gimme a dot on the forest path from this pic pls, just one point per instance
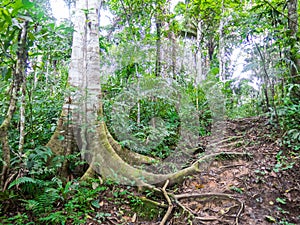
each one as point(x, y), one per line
point(260, 193)
point(269, 196)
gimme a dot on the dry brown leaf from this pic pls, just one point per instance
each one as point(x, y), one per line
point(133, 219)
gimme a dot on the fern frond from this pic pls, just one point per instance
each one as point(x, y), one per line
point(31, 204)
point(26, 180)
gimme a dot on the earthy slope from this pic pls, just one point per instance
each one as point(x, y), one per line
point(255, 190)
point(268, 196)
point(259, 194)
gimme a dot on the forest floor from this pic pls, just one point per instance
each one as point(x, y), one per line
point(264, 189)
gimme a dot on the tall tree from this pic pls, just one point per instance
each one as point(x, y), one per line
point(84, 106)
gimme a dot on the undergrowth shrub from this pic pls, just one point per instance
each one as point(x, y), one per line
point(289, 113)
point(154, 122)
point(58, 203)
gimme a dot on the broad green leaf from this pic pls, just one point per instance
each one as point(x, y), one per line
point(27, 4)
point(6, 16)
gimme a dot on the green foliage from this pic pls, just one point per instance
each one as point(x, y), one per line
point(289, 121)
point(40, 165)
point(19, 219)
point(284, 222)
point(153, 122)
point(56, 203)
point(131, 45)
point(144, 209)
point(48, 47)
point(101, 217)
point(199, 98)
point(281, 201)
point(240, 99)
point(154, 111)
point(28, 181)
point(237, 189)
point(289, 113)
point(282, 162)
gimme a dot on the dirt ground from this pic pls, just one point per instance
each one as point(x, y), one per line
point(241, 191)
point(231, 191)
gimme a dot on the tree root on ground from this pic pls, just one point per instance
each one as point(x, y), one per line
point(127, 155)
point(109, 164)
point(229, 139)
point(170, 204)
point(214, 195)
point(173, 201)
point(108, 160)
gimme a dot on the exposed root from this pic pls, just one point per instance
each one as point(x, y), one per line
point(232, 144)
point(128, 156)
point(230, 166)
point(186, 209)
point(170, 208)
point(155, 203)
point(190, 212)
point(214, 195)
point(226, 140)
point(111, 161)
point(108, 163)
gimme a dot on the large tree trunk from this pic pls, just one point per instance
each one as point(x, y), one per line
point(82, 104)
point(82, 115)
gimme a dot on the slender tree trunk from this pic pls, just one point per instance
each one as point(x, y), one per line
point(18, 79)
point(268, 84)
point(158, 48)
point(199, 65)
point(198, 60)
point(173, 54)
point(22, 116)
point(293, 27)
point(221, 45)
